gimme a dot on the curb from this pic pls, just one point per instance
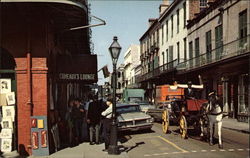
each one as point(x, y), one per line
point(238, 130)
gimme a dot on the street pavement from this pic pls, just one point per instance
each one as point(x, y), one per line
point(156, 144)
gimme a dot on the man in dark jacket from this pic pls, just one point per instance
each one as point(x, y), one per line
point(94, 118)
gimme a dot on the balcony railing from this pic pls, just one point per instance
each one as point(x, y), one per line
point(157, 71)
point(231, 49)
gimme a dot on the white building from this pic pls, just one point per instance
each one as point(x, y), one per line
point(131, 60)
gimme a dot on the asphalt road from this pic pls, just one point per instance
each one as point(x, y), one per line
point(156, 144)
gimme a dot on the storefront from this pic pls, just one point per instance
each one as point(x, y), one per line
point(42, 84)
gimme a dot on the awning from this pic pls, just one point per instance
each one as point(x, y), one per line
point(69, 2)
point(82, 68)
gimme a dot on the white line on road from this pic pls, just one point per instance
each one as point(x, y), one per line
point(212, 150)
point(230, 149)
point(248, 149)
point(222, 150)
point(203, 150)
point(156, 154)
point(194, 151)
point(240, 149)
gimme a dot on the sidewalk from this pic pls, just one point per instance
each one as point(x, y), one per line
point(233, 124)
point(83, 150)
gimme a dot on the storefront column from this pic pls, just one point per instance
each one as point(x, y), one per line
point(225, 94)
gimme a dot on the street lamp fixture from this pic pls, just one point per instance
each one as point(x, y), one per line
point(114, 50)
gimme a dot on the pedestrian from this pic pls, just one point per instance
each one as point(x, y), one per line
point(77, 117)
point(93, 119)
point(107, 123)
point(69, 121)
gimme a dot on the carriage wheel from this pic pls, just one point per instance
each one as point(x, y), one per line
point(165, 121)
point(183, 126)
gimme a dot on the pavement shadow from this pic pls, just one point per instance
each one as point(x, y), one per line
point(126, 135)
point(127, 149)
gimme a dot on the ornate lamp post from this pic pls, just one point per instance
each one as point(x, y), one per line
point(114, 50)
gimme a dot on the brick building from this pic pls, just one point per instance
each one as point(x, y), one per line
point(48, 62)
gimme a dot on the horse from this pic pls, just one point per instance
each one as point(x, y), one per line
point(214, 113)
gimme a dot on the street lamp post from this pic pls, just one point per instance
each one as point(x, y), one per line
point(114, 50)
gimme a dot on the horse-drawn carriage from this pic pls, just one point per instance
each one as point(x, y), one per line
point(181, 109)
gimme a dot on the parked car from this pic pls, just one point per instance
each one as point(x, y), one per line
point(146, 106)
point(131, 118)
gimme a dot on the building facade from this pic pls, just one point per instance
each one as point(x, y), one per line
point(219, 40)
point(131, 60)
point(207, 38)
point(164, 44)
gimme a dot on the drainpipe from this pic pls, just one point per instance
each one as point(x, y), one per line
point(29, 82)
point(29, 75)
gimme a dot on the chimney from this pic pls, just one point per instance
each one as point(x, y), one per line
point(163, 6)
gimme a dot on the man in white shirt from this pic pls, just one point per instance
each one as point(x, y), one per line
point(107, 123)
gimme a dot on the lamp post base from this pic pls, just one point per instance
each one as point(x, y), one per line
point(113, 147)
point(113, 150)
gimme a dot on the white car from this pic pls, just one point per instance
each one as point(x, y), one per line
point(130, 117)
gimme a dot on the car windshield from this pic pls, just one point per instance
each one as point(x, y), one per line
point(128, 109)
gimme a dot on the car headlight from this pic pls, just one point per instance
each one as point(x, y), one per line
point(150, 120)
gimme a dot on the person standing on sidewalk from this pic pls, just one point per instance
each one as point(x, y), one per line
point(93, 119)
point(77, 116)
point(69, 121)
point(107, 123)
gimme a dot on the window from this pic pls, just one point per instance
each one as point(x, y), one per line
point(185, 48)
point(167, 30)
point(163, 58)
point(184, 14)
point(191, 53)
point(203, 3)
point(243, 27)
point(219, 41)
point(178, 52)
point(162, 34)
point(178, 22)
point(171, 56)
point(172, 25)
point(167, 56)
point(208, 46)
point(197, 51)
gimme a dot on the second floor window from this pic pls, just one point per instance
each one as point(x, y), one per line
point(185, 48)
point(162, 34)
point(178, 52)
point(167, 30)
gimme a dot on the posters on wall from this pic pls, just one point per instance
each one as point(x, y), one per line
point(8, 112)
point(7, 104)
point(6, 145)
point(10, 98)
point(5, 86)
point(6, 133)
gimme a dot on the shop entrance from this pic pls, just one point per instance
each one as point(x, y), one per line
point(8, 102)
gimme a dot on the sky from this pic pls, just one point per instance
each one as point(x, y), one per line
point(126, 19)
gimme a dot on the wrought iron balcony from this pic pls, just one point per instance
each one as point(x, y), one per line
point(158, 71)
point(229, 50)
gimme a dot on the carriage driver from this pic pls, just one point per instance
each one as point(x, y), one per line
point(189, 88)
